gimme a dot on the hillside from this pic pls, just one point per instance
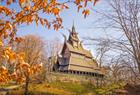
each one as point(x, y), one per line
point(69, 84)
point(60, 84)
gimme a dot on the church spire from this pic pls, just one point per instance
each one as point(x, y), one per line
point(73, 38)
point(73, 28)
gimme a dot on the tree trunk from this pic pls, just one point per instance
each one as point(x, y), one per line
point(138, 62)
point(26, 86)
point(139, 65)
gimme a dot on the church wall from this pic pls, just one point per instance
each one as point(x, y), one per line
point(65, 57)
point(63, 68)
point(66, 53)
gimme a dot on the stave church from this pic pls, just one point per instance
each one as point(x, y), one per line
point(75, 59)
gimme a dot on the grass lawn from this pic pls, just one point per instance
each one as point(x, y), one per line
point(57, 88)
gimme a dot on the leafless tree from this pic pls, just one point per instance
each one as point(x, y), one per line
point(125, 15)
point(53, 48)
point(102, 48)
point(122, 69)
point(122, 17)
point(33, 47)
point(121, 64)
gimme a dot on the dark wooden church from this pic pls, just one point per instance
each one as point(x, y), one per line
point(75, 59)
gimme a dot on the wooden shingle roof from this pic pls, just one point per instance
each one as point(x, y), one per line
point(79, 50)
point(81, 64)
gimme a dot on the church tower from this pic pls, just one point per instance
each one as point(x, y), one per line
point(75, 59)
point(73, 38)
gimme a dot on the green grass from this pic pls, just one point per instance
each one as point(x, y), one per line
point(76, 88)
point(57, 88)
point(108, 88)
point(61, 84)
point(65, 84)
point(67, 88)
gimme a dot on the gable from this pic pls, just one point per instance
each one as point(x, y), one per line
point(65, 51)
point(79, 50)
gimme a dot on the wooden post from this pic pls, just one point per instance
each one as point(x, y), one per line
point(97, 82)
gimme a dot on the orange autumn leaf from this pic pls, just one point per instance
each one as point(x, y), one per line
point(77, 2)
point(56, 26)
point(13, 75)
point(53, 2)
point(9, 26)
point(55, 11)
point(18, 39)
point(36, 21)
point(28, 4)
point(12, 57)
point(85, 12)
point(1, 43)
point(9, 2)
point(21, 2)
point(79, 7)
point(3, 68)
point(25, 65)
point(49, 9)
point(59, 20)
point(85, 4)
point(95, 1)
point(41, 21)
point(34, 8)
point(5, 34)
point(5, 10)
point(21, 55)
point(64, 6)
point(46, 22)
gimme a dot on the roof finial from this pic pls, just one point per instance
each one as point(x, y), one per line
point(73, 27)
point(73, 23)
